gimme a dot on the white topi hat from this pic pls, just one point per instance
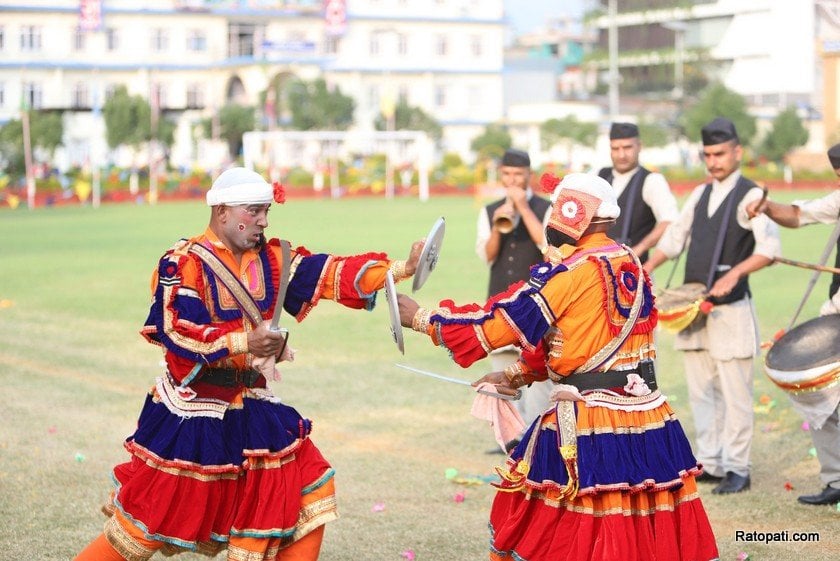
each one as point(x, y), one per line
point(240, 186)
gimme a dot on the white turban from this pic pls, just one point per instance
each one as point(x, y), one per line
point(240, 186)
point(591, 185)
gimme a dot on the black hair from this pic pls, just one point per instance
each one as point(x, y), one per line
point(558, 238)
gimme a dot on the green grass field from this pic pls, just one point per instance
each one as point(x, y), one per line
point(74, 292)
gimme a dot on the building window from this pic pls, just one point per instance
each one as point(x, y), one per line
point(78, 39)
point(2, 94)
point(160, 40)
point(2, 38)
point(110, 90)
point(80, 96)
point(374, 46)
point(441, 45)
point(331, 45)
point(476, 47)
point(476, 96)
point(33, 95)
point(402, 44)
point(112, 39)
point(440, 96)
point(158, 100)
point(402, 94)
point(196, 40)
point(30, 38)
point(195, 96)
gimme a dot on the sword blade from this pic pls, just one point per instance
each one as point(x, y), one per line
point(433, 375)
point(459, 382)
point(286, 260)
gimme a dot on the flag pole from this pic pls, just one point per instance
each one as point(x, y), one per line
point(27, 156)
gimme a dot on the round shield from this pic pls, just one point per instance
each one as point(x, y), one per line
point(394, 311)
point(429, 256)
point(807, 357)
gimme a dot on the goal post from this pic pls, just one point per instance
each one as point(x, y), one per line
point(310, 150)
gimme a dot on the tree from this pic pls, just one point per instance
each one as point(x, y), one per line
point(315, 107)
point(491, 143)
point(46, 130)
point(653, 134)
point(407, 117)
point(719, 101)
point(787, 133)
point(128, 119)
point(569, 129)
point(234, 121)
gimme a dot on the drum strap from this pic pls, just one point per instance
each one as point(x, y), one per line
point(832, 240)
point(724, 226)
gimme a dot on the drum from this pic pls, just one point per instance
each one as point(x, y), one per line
point(806, 358)
point(679, 307)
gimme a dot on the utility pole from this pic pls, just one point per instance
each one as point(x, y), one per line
point(613, 51)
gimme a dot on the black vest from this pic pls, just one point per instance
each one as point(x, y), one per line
point(636, 216)
point(738, 243)
point(517, 251)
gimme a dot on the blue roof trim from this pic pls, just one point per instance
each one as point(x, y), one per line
point(419, 70)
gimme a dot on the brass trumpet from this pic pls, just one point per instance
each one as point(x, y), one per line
point(506, 222)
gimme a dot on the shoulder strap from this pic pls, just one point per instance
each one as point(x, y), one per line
point(226, 277)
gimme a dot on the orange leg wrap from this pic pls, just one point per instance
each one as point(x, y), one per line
point(305, 549)
point(99, 550)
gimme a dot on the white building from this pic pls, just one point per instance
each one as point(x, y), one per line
point(192, 57)
point(762, 49)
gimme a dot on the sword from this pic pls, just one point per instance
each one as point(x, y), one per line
point(286, 260)
point(460, 382)
point(285, 252)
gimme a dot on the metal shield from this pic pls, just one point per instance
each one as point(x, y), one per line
point(429, 256)
point(394, 311)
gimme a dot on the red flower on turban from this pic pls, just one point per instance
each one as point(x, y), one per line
point(548, 182)
point(279, 193)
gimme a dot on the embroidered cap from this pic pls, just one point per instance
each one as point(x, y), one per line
point(240, 186)
point(834, 156)
point(623, 130)
point(578, 199)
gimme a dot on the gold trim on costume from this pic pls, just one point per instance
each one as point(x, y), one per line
point(397, 269)
point(123, 543)
point(420, 321)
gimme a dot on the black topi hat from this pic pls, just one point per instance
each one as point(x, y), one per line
point(834, 156)
point(623, 130)
point(719, 131)
point(516, 158)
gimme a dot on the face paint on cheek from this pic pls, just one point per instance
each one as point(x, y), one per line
point(241, 227)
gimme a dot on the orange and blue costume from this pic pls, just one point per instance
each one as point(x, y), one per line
point(228, 466)
point(608, 473)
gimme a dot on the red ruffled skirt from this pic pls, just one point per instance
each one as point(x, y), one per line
point(631, 495)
